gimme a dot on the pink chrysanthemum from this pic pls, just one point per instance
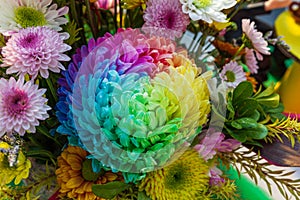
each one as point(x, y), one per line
point(21, 106)
point(35, 50)
point(233, 74)
point(255, 39)
point(165, 18)
point(18, 14)
point(251, 61)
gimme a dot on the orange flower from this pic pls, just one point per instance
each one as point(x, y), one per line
point(75, 175)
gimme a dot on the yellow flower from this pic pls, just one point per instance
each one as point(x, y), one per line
point(184, 179)
point(131, 4)
point(195, 90)
point(75, 175)
point(15, 173)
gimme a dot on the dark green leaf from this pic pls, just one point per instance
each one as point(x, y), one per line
point(247, 122)
point(109, 190)
point(243, 91)
point(143, 196)
point(246, 107)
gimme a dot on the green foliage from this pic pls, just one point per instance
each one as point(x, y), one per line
point(246, 111)
point(73, 32)
point(289, 128)
point(245, 161)
point(109, 190)
point(2, 41)
point(225, 191)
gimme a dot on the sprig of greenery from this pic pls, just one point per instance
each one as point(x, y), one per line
point(73, 31)
point(244, 160)
point(225, 191)
point(289, 128)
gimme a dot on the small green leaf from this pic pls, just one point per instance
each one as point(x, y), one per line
point(236, 125)
point(143, 196)
point(267, 92)
point(109, 190)
point(243, 91)
point(272, 100)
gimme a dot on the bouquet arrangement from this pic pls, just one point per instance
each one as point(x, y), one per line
point(134, 99)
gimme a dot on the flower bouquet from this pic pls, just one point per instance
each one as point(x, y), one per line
point(136, 99)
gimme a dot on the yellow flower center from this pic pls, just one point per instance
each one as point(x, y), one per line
point(201, 3)
point(28, 17)
point(230, 76)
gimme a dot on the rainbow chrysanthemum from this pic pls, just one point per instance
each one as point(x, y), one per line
point(134, 101)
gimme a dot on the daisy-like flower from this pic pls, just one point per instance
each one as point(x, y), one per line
point(35, 50)
point(233, 74)
point(207, 10)
point(183, 179)
point(17, 14)
point(251, 61)
point(165, 18)
point(254, 39)
point(21, 106)
point(75, 175)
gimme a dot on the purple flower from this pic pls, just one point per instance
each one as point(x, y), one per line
point(35, 50)
point(21, 106)
point(165, 18)
point(256, 39)
point(251, 61)
point(233, 74)
point(215, 177)
point(207, 146)
point(213, 142)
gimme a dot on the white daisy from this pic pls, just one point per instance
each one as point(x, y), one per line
point(17, 14)
point(207, 10)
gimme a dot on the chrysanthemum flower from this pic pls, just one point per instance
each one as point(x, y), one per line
point(251, 61)
point(75, 175)
point(17, 14)
point(21, 106)
point(35, 50)
point(207, 10)
point(233, 74)
point(165, 18)
point(254, 39)
point(13, 173)
point(184, 179)
point(139, 112)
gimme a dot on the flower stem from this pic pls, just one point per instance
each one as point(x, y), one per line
point(239, 51)
point(91, 18)
point(52, 89)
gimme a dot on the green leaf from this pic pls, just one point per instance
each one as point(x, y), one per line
point(257, 133)
point(246, 122)
point(143, 196)
point(246, 107)
point(2, 41)
point(243, 91)
point(272, 100)
point(267, 92)
point(109, 190)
